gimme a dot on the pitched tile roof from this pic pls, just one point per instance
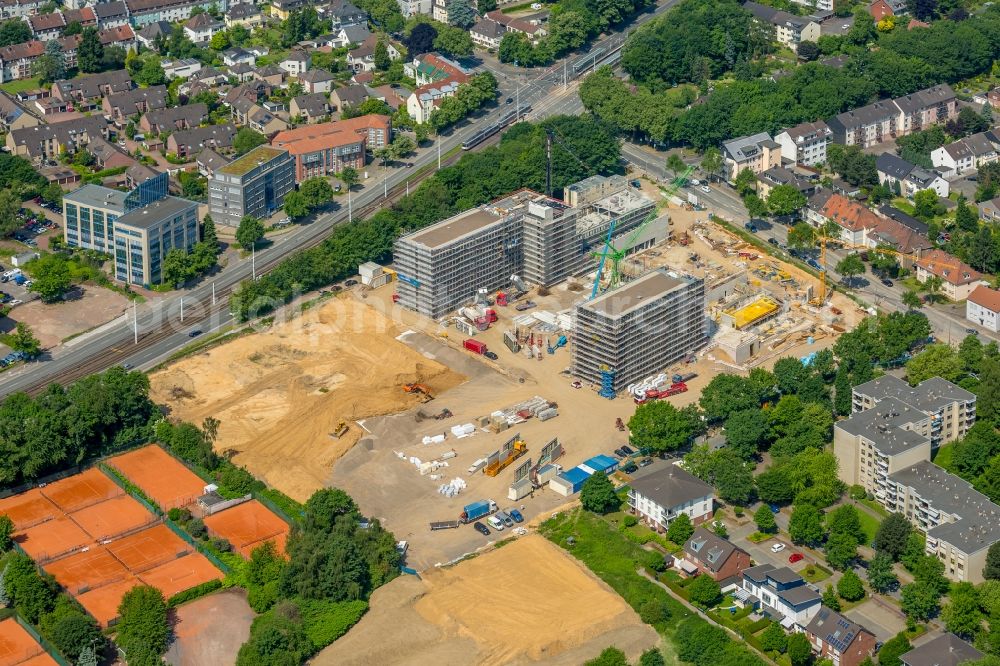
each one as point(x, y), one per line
point(948, 268)
point(849, 214)
point(986, 297)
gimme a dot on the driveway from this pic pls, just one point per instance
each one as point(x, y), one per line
point(879, 617)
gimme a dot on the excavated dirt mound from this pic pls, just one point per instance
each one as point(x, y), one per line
point(280, 393)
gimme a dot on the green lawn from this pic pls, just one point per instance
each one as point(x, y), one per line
point(874, 506)
point(814, 573)
point(944, 456)
point(14, 87)
point(869, 524)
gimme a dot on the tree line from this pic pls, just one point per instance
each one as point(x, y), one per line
point(586, 146)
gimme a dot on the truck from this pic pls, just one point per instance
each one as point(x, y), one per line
point(682, 379)
point(477, 510)
point(527, 305)
point(19, 279)
point(475, 346)
point(656, 394)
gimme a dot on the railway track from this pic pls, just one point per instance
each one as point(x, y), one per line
point(118, 352)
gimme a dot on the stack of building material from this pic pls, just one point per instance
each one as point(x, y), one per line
point(453, 487)
point(465, 430)
point(433, 439)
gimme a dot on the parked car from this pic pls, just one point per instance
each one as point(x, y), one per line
point(795, 557)
point(628, 450)
point(645, 461)
point(516, 515)
point(706, 189)
point(887, 282)
point(971, 331)
point(777, 548)
point(620, 453)
point(350, 283)
point(630, 467)
point(491, 355)
point(482, 529)
point(772, 241)
point(195, 333)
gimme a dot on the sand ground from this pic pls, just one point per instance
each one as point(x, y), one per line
point(281, 392)
point(210, 630)
point(53, 323)
point(526, 603)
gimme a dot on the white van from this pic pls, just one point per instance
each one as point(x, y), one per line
point(495, 523)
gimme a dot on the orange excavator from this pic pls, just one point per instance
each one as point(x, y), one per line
point(419, 389)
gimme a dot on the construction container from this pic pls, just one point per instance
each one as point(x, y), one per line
point(520, 489)
point(569, 482)
point(510, 341)
point(547, 414)
point(599, 464)
point(475, 346)
point(477, 466)
point(373, 275)
point(546, 473)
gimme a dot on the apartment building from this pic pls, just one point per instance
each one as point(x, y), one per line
point(805, 144)
point(958, 279)
point(892, 118)
point(525, 233)
point(636, 330)
point(657, 498)
point(951, 408)
point(983, 308)
point(757, 153)
point(840, 639)
point(965, 155)
point(780, 592)
point(120, 107)
point(789, 30)
point(49, 141)
point(142, 12)
point(144, 236)
point(326, 148)
point(254, 184)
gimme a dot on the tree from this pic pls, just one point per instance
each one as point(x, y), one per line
point(704, 591)
point(659, 426)
point(764, 518)
point(90, 52)
point(912, 300)
point(23, 340)
point(676, 164)
point(747, 431)
point(250, 231)
point(893, 649)
point(50, 277)
point(992, 569)
point(176, 268)
point(799, 650)
point(963, 615)
point(421, 39)
point(841, 550)
point(845, 520)
point(317, 191)
point(727, 394)
point(785, 200)
point(652, 656)
point(849, 586)
point(919, 600)
point(654, 611)
point(455, 41)
point(680, 529)
point(711, 162)
point(925, 204)
point(850, 266)
point(143, 627)
point(403, 146)
point(296, 205)
point(881, 576)
point(349, 177)
point(71, 630)
point(14, 31)
point(806, 525)
point(939, 360)
point(745, 182)
point(756, 207)
point(87, 657)
point(276, 638)
point(50, 66)
point(610, 656)
point(807, 51)
point(830, 598)
point(598, 495)
point(6, 530)
point(380, 56)
point(461, 13)
point(220, 41)
point(801, 236)
point(773, 639)
point(892, 535)
point(247, 139)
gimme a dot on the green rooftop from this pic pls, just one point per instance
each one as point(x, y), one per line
point(246, 163)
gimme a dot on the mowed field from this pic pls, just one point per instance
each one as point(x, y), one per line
point(525, 603)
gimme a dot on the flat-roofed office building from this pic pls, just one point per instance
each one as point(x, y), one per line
point(145, 235)
point(254, 184)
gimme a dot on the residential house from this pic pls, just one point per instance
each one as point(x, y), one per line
point(201, 28)
point(866, 126)
point(362, 58)
point(805, 143)
point(282, 9)
point(892, 170)
point(432, 68)
point(958, 279)
point(789, 30)
point(151, 32)
point(296, 62)
point(992, 98)
point(989, 211)
point(925, 108)
point(237, 55)
point(311, 107)
point(768, 180)
point(413, 7)
point(112, 14)
point(173, 118)
point(854, 219)
point(185, 143)
point(944, 650)
point(757, 153)
point(327, 148)
point(707, 553)
point(908, 221)
point(983, 307)
point(839, 639)
point(182, 68)
point(242, 72)
point(137, 174)
point(965, 155)
point(60, 175)
point(925, 179)
point(889, 233)
point(880, 10)
point(422, 101)
point(48, 142)
point(14, 116)
point(350, 96)
point(349, 35)
point(389, 95)
point(10, 9)
point(107, 155)
point(487, 33)
point(17, 60)
point(120, 107)
point(142, 12)
point(88, 92)
point(248, 113)
point(781, 592)
point(533, 28)
point(122, 36)
point(272, 75)
point(245, 14)
point(657, 498)
point(908, 179)
point(206, 78)
point(342, 14)
point(813, 212)
point(209, 162)
point(317, 81)
point(47, 26)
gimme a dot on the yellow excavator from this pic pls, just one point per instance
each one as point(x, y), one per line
point(341, 430)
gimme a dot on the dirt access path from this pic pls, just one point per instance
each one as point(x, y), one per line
point(281, 392)
point(525, 603)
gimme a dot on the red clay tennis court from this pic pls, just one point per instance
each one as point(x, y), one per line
point(247, 526)
point(19, 648)
point(103, 602)
point(113, 517)
point(81, 572)
point(165, 480)
point(29, 508)
point(149, 548)
point(52, 538)
point(181, 574)
point(82, 490)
